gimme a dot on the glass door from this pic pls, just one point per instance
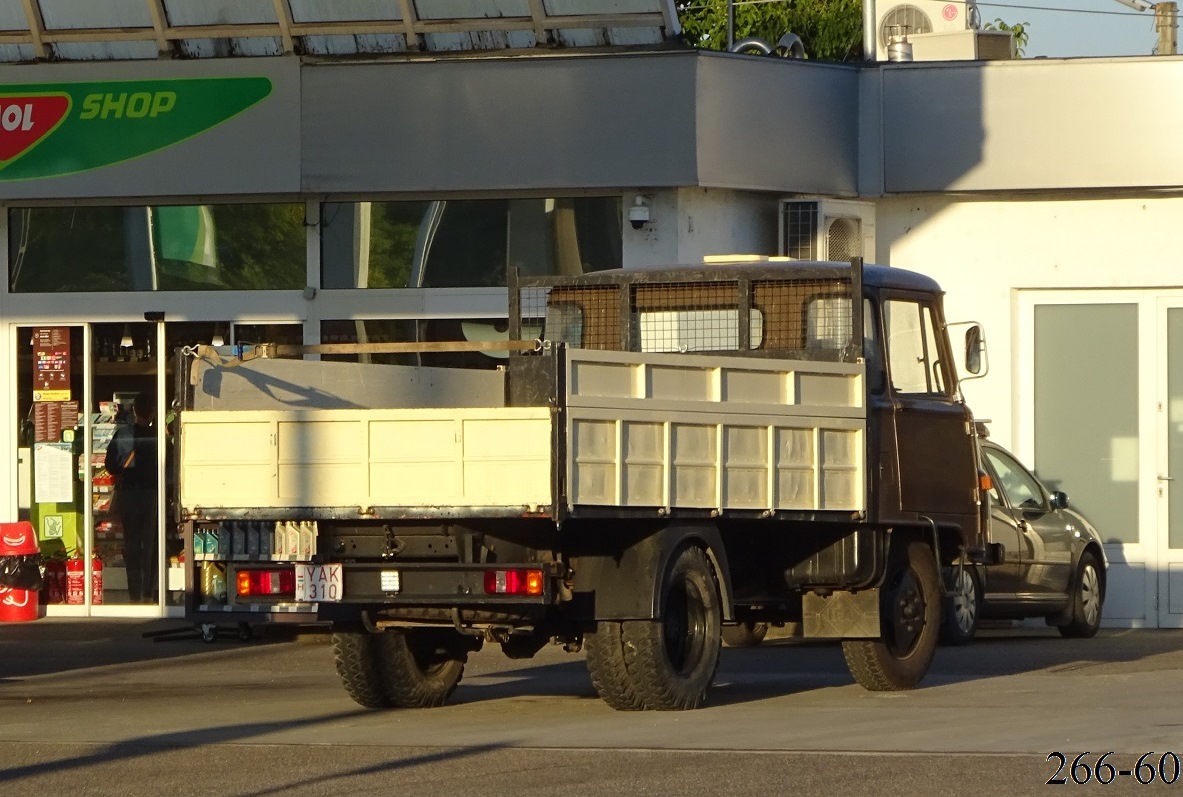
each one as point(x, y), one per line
point(1089, 432)
point(1169, 474)
point(49, 456)
point(124, 467)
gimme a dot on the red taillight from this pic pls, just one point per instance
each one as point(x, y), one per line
point(266, 582)
point(513, 582)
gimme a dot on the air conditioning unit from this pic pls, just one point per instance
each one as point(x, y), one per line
point(827, 229)
point(912, 17)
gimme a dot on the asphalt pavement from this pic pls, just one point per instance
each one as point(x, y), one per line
point(98, 707)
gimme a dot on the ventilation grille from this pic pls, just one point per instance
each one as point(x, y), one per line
point(801, 230)
point(844, 239)
point(903, 20)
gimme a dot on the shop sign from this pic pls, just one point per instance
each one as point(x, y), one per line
point(51, 364)
point(54, 129)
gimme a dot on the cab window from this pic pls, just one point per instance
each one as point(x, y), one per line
point(913, 354)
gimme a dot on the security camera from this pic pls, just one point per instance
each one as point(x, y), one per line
point(638, 214)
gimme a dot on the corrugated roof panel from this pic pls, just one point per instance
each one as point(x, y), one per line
point(356, 44)
point(470, 10)
point(12, 15)
point(138, 29)
point(218, 12)
point(187, 13)
point(360, 43)
point(16, 53)
point(63, 15)
point(229, 48)
point(103, 51)
point(70, 14)
point(344, 10)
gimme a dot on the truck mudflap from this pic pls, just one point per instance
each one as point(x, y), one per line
point(841, 614)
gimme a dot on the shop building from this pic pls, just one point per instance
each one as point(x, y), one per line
point(368, 191)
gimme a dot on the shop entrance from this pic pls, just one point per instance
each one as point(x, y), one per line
point(94, 447)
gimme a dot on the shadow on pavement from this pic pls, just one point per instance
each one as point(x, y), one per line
point(54, 645)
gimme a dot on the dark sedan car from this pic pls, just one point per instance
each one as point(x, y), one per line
point(1053, 562)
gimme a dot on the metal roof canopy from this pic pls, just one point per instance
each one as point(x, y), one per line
point(68, 30)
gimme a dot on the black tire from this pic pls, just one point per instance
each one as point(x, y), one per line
point(744, 635)
point(605, 664)
point(671, 661)
point(910, 613)
point(357, 666)
point(1087, 599)
point(959, 614)
point(419, 668)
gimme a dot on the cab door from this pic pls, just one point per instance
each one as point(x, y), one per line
point(936, 459)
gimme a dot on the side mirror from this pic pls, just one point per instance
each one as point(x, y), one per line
point(1059, 500)
point(975, 347)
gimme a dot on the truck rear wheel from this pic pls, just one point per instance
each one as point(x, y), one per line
point(419, 668)
point(605, 664)
point(910, 618)
point(671, 661)
point(354, 656)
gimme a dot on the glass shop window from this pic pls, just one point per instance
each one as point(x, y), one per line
point(466, 243)
point(157, 248)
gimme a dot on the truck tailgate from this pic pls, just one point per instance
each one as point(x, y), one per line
point(436, 457)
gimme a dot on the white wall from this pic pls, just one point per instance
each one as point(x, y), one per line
point(984, 251)
point(690, 223)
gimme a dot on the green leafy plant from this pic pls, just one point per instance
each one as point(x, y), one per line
point(1018, 30)
point(831, 30)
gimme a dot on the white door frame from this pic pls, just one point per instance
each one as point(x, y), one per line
point(1147, 553)
point(1170, 561)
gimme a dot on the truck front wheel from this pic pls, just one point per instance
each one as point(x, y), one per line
point(672, 660)
point(910, 617)
point(419, 668)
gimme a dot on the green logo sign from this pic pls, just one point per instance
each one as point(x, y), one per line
point(51, 129)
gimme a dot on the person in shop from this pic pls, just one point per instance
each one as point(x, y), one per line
point(132, 460)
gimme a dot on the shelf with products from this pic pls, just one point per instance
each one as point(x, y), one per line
point(108, 533)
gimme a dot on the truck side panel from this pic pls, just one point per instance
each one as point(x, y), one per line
point(722, 433)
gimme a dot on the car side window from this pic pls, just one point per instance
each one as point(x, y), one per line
point(1020, 487)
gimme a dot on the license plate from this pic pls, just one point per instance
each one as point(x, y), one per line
point(319, 583)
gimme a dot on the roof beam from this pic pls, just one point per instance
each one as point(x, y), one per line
point(283, 15)
point(36, 29)
point(159, 25)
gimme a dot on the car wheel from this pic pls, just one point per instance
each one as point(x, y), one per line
point(959, 622)
point(744, 635)
point(1086, 600)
